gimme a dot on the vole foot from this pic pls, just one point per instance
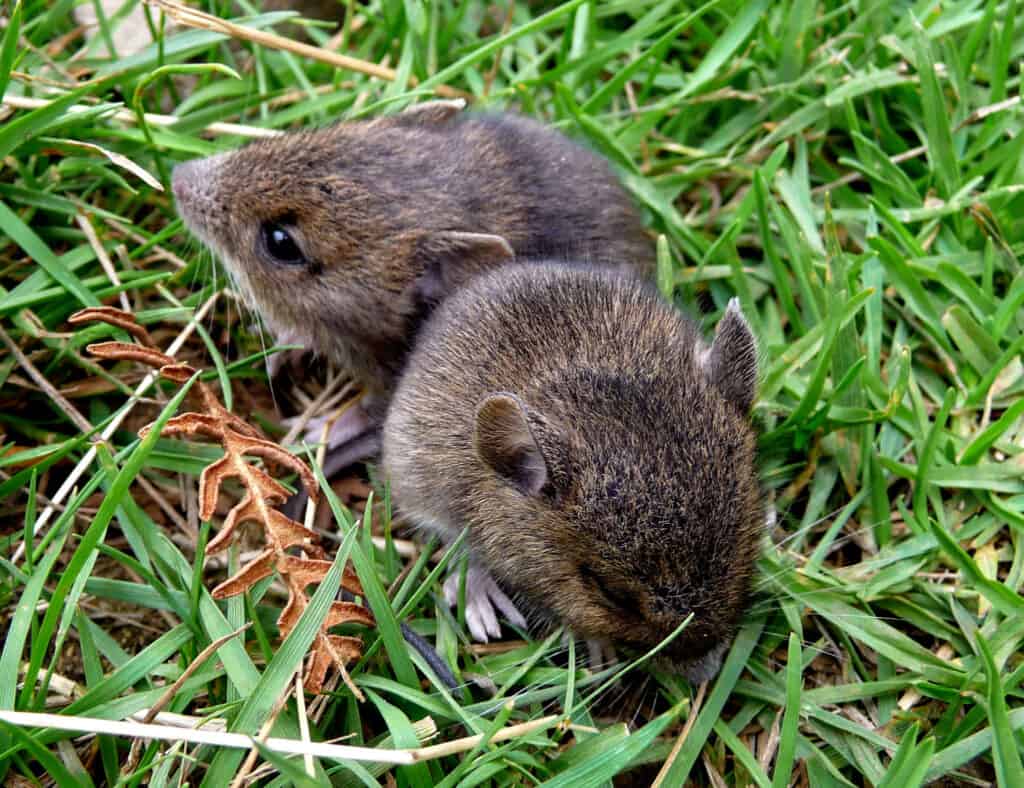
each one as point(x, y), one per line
point(601, 654)
point(482, 597)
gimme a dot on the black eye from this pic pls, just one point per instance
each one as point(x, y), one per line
point(617, 597)
point(280, 245)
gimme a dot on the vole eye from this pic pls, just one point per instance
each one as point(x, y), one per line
point(619, 598)
point(615, 596)
point(280, 245)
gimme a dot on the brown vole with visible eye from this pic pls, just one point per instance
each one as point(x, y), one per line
point(344, 238)
point(600, 453)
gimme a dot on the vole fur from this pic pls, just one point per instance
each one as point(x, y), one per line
point(600, 453)
point(387, 216)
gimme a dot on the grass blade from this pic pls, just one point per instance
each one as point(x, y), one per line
point(791, 718)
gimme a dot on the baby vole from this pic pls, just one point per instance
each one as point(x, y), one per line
point(600, 453)
point(344, 238)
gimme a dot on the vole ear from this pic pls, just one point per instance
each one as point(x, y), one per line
point(450, 258)
point(505, 440)
point(731, 363)
point(429, 112)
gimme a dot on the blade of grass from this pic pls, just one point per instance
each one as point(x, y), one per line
point(939, 135)
point(791, 717)
point(1005, 747)
point(9, 46)
point(742, 647)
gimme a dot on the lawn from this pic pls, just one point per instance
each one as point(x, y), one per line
point(851, 171)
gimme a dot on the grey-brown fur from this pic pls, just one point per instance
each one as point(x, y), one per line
point(599, 451)
point(391, 214)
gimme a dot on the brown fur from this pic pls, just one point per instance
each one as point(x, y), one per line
point(599, 452)
point(391, 214)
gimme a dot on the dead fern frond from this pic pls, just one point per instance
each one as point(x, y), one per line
point(126, 351)
point(240, 440)
point(115, 317)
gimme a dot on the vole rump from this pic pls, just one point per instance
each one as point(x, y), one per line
point(344, 238)
point(600, 453)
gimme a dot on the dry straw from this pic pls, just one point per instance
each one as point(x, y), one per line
point(190, 17)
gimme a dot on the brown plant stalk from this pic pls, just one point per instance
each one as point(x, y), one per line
point(263, 493)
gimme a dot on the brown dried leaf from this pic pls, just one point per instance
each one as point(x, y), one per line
point(316, 670)
point(315, 551)
point(268, 450)
point(218, 411)
point(262, 492)
point(292, 610)
point(340, 612)
point(348, 613)
point(244, 511)
point(247, 576)
point(303, 572)
point(126, 351)
point(350, 582)
point(177, 373)
point(282, 531)
point(115, 317)
point(190, 424)
point(338, 649)
point(346, 647)
point(308, 571)
point(259, 483)
point(209, 489)
point(285, 532)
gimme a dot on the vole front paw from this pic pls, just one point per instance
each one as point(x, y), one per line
point(601, 654)
point(482, 597)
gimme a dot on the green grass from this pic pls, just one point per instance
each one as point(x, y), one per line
point(852, 171)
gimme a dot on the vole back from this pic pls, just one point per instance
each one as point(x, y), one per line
point(599, 452)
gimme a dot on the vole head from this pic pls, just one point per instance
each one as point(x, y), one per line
point(639, 514)
point(334, 232)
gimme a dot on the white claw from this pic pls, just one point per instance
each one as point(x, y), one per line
point(481, 620)
point(482, 597)
point(507, 607)
point(451, 589)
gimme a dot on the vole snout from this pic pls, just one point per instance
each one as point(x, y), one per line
point(204, 210)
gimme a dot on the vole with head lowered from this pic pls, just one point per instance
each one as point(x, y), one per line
point(599, 452)
point(344, 238)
